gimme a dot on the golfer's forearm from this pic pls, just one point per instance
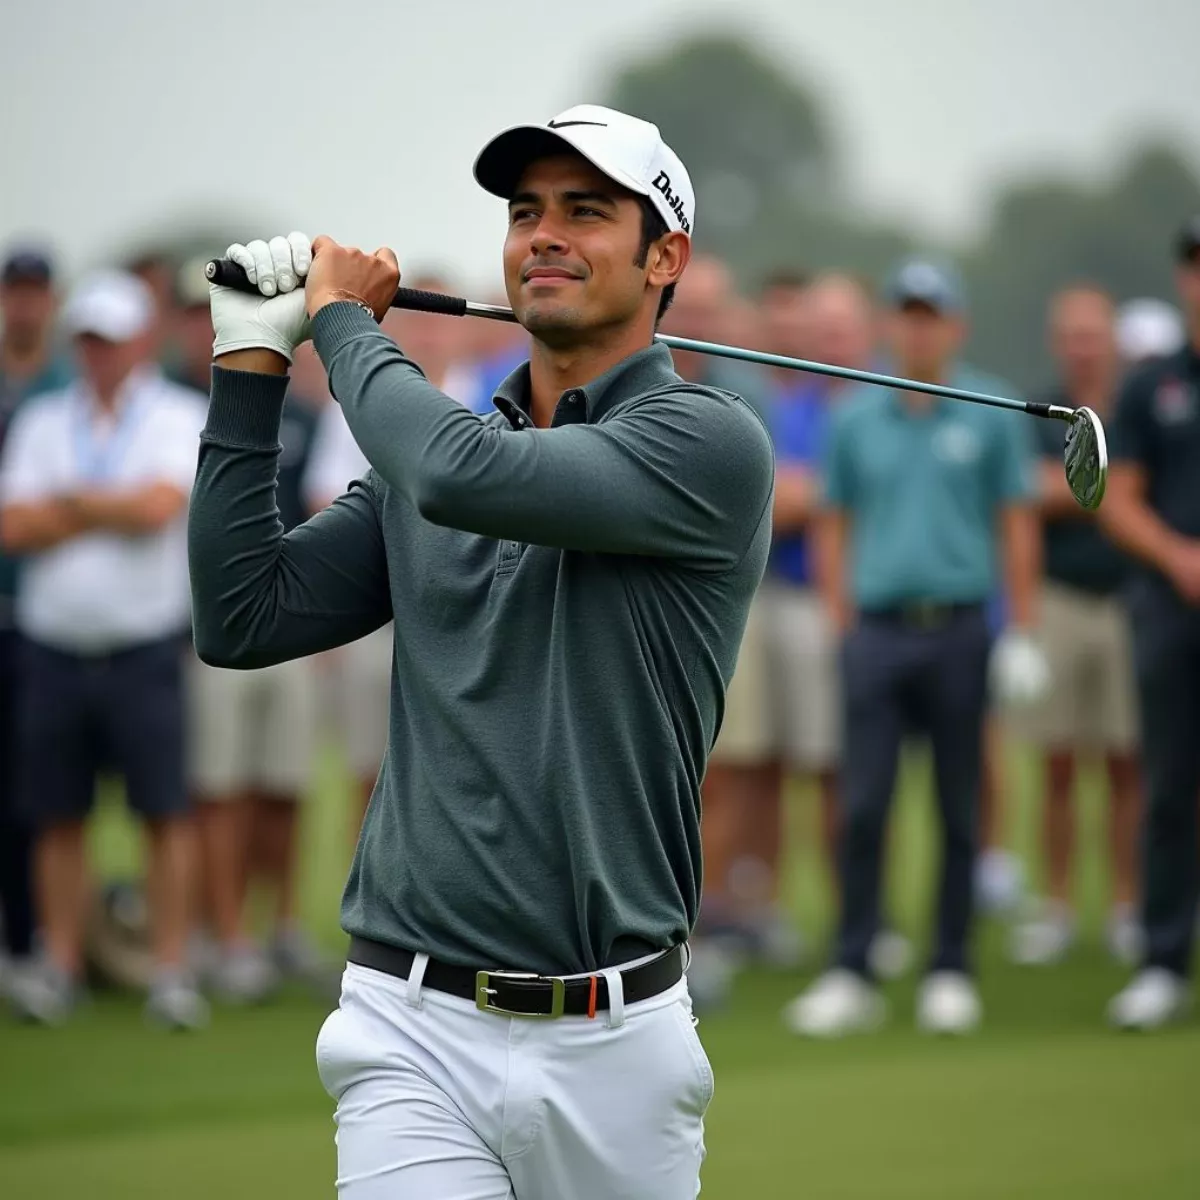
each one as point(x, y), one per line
point(258, 596)
point(1021, 542)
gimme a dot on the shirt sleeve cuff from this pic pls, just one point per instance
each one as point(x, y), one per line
point(339, 323)
point(245, 409)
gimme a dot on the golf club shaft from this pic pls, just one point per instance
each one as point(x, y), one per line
point(230, 274)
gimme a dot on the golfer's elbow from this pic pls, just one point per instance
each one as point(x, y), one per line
point(441, 496)
point(216, 646)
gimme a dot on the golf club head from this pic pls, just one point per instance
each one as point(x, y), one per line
point(1086, 458)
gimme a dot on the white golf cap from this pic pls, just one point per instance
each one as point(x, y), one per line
point(113, 305)
point(628, 150)
point(1149, 328)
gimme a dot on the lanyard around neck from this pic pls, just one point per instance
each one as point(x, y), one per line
point(98, 455)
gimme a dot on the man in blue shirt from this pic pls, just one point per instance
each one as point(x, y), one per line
point(925, 498)
point(28, 367)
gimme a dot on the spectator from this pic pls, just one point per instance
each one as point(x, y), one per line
point(496, 350)
point(1090, 707)
point(93, 492)
point(805, 706)
point(442, 344)
point(742, 826)
point(250, 739)
point(785, 320)
point(1149, 328)
point(1153, 510)
point(28, 366)
point(917, 490)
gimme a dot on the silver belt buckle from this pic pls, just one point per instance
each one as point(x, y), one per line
point(484, 993)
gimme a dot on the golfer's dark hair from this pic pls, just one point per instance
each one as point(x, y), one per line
point(653, 227)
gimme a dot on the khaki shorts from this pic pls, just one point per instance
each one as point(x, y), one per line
point(1092, 699)
point(784, 701)
point(361, 694)
point(251, 729)
point(745, 738)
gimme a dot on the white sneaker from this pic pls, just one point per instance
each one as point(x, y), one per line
point(1155, 997)
point(999, 881)
point(839, 1003)
point(41, 993)
point(948, 1003)
point(174, 1003)
point(1045, 939)
point(1126, 942)
point(890, 955)
point(244, 976)
point(778, 944)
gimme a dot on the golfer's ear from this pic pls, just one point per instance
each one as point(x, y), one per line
point(668, 258)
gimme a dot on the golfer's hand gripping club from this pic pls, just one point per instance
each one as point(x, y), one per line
point(226, 273)
point(267, 312)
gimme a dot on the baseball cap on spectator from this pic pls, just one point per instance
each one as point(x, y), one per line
point(628, 150)
point(113, 305)
point(1187, 244)
point(27, 264)
point(1148, 328)
point(922, 281)
point(191, 284)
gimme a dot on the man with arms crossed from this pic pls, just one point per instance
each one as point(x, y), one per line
point(570, 577)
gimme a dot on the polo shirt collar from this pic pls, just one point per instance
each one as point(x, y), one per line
point(643, 371)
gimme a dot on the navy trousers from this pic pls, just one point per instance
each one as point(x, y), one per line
point(905, 676)
point(1166, 635)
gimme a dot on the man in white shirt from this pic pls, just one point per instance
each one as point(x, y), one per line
point(94, 487)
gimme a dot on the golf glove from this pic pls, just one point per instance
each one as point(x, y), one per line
point(276, 318)
point(1018, 670)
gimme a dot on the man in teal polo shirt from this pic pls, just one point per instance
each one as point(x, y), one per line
point(928, 511)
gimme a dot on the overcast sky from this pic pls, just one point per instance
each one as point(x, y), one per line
point(361, 119)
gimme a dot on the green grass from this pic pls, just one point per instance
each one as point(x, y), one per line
point(1045, 1102)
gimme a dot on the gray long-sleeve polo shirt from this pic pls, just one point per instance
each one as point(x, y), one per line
point(568, 607)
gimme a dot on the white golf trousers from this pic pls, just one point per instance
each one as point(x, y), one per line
point(439, 1101)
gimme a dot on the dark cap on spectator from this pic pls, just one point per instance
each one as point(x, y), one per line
point(1187, 244)
point(920, 281)
point(27, 264)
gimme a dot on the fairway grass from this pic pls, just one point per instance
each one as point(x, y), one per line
point(1045, 1102)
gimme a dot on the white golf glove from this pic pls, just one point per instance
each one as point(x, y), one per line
point(1018, 670)
point(275, 319)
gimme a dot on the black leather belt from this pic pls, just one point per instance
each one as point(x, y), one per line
point(518, 994)
point(922, 614)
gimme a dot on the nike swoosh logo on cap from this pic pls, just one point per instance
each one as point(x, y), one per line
point(564, 124)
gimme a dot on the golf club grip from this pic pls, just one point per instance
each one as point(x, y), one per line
point(225, 272)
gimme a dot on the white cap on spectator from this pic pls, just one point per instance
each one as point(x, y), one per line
point(628, 150)
point(1148, 328)
point(113, 305)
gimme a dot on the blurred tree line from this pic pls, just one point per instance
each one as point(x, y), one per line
point(768, 179)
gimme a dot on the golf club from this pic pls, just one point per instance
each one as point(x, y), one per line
point(1085, 457)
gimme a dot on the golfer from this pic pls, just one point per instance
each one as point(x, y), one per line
point(569, 577)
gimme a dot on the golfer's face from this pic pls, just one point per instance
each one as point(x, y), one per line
point(573, 236)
